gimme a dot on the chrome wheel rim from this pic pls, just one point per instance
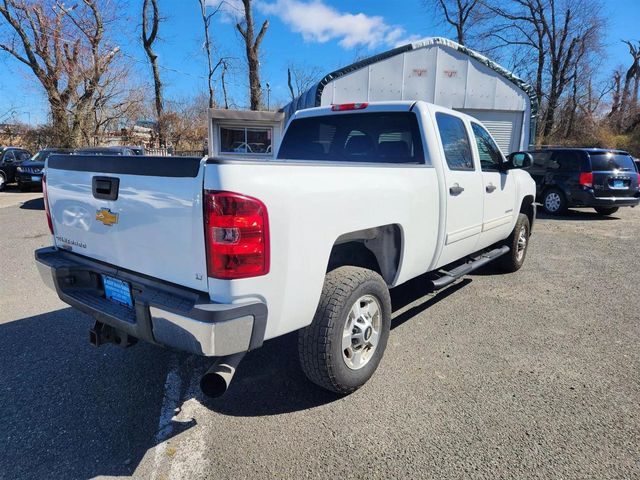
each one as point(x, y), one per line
point(521, 246)
point(552, 202)
point(361, 332)
point(1, 180)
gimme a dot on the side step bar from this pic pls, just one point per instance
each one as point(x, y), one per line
point(451, 276)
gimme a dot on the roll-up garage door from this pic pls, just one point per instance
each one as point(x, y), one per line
point(505, 127)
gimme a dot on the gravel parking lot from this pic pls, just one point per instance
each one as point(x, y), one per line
point(530, 375)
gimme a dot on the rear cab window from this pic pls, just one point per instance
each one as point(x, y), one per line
point(609, 162)
point(376, 137)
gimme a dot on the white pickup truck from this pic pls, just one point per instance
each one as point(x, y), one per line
point(214, 257)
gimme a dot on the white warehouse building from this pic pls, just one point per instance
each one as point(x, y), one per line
point(439, 71)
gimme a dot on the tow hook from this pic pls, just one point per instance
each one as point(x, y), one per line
point(102, 333)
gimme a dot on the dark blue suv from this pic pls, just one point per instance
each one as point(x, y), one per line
point(585, 177)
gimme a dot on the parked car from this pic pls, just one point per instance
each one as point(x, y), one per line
point(29, 173)
point(214, 256)
point(637, 161)
point(10, 158)
point(584, 177)
point(115, 150)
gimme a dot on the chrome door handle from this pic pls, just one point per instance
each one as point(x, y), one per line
point(456, 189)
point(490, 188)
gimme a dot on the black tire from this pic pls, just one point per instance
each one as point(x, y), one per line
point(557, 207)
point(320, 344)
point(606, 210)
point(3, 181)
point(514, 259)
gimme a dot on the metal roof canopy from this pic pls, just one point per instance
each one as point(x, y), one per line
point(436, 70)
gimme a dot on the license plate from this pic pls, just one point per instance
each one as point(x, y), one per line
point(117, 291)
point(618, 184)
point(36, 179)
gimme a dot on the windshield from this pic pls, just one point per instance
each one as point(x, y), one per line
point(41, 156)
point(608, 162)
point(384, 137)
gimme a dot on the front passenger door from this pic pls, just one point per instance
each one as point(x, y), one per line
point(499, 189)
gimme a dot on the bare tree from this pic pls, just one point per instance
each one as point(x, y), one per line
point(65, 49)
point(624, 113)
point(208, 46)
point(560, 33)
point(149, 36)
point(300, 78)
point(116, 105)
point(252, 46)
point(462, 15)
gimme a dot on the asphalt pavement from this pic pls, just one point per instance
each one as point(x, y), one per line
point(528, 375)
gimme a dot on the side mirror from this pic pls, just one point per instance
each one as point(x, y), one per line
point(519, 160)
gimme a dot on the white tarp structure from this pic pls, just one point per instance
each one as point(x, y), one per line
point(438, 71)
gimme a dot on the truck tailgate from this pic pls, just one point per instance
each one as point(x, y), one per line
point(142, 214)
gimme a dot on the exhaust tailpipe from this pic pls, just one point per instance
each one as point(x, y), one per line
point(217, 379)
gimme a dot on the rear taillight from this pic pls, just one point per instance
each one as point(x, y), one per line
point(237, 235)
point(46, 203)
point(342, 107)
point(586, 179)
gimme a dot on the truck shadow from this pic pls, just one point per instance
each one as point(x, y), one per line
point(576, 215)
point(72, 411)
point(35, 204)
point(270, 381)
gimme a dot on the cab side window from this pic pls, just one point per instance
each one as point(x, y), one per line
point(455, 141)
point(9, 157)
point(490, 156)
point(22, 155)
point(540, 160)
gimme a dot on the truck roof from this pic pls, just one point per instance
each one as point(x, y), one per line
point(390, 106)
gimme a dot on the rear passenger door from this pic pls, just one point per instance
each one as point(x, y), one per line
point(463, 222)
point(499, 189)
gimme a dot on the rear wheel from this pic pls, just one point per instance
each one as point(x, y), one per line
point(344, 344)
point(606, 210)
point(554, 202)
point(518, 242)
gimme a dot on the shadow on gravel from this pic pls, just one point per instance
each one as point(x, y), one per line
point(270, 381)
point(70, 410)
point(35, 204)
point(577, 215)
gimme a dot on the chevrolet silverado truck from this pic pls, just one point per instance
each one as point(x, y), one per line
point(215, 256)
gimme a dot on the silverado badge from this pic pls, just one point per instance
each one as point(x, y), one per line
point(107, 217)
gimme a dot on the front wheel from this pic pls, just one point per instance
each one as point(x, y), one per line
point(345, 342)
point(606, 210)
point(518, 242)
point(3, 181)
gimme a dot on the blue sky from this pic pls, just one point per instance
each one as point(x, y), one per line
point(325, 34)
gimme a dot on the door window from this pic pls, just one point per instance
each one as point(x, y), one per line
point(566, 161)
point(21, 156)
point(9, 157)
point(455, 141)
point(490, 156)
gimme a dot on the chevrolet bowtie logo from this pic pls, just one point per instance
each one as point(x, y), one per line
point(105, 216)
